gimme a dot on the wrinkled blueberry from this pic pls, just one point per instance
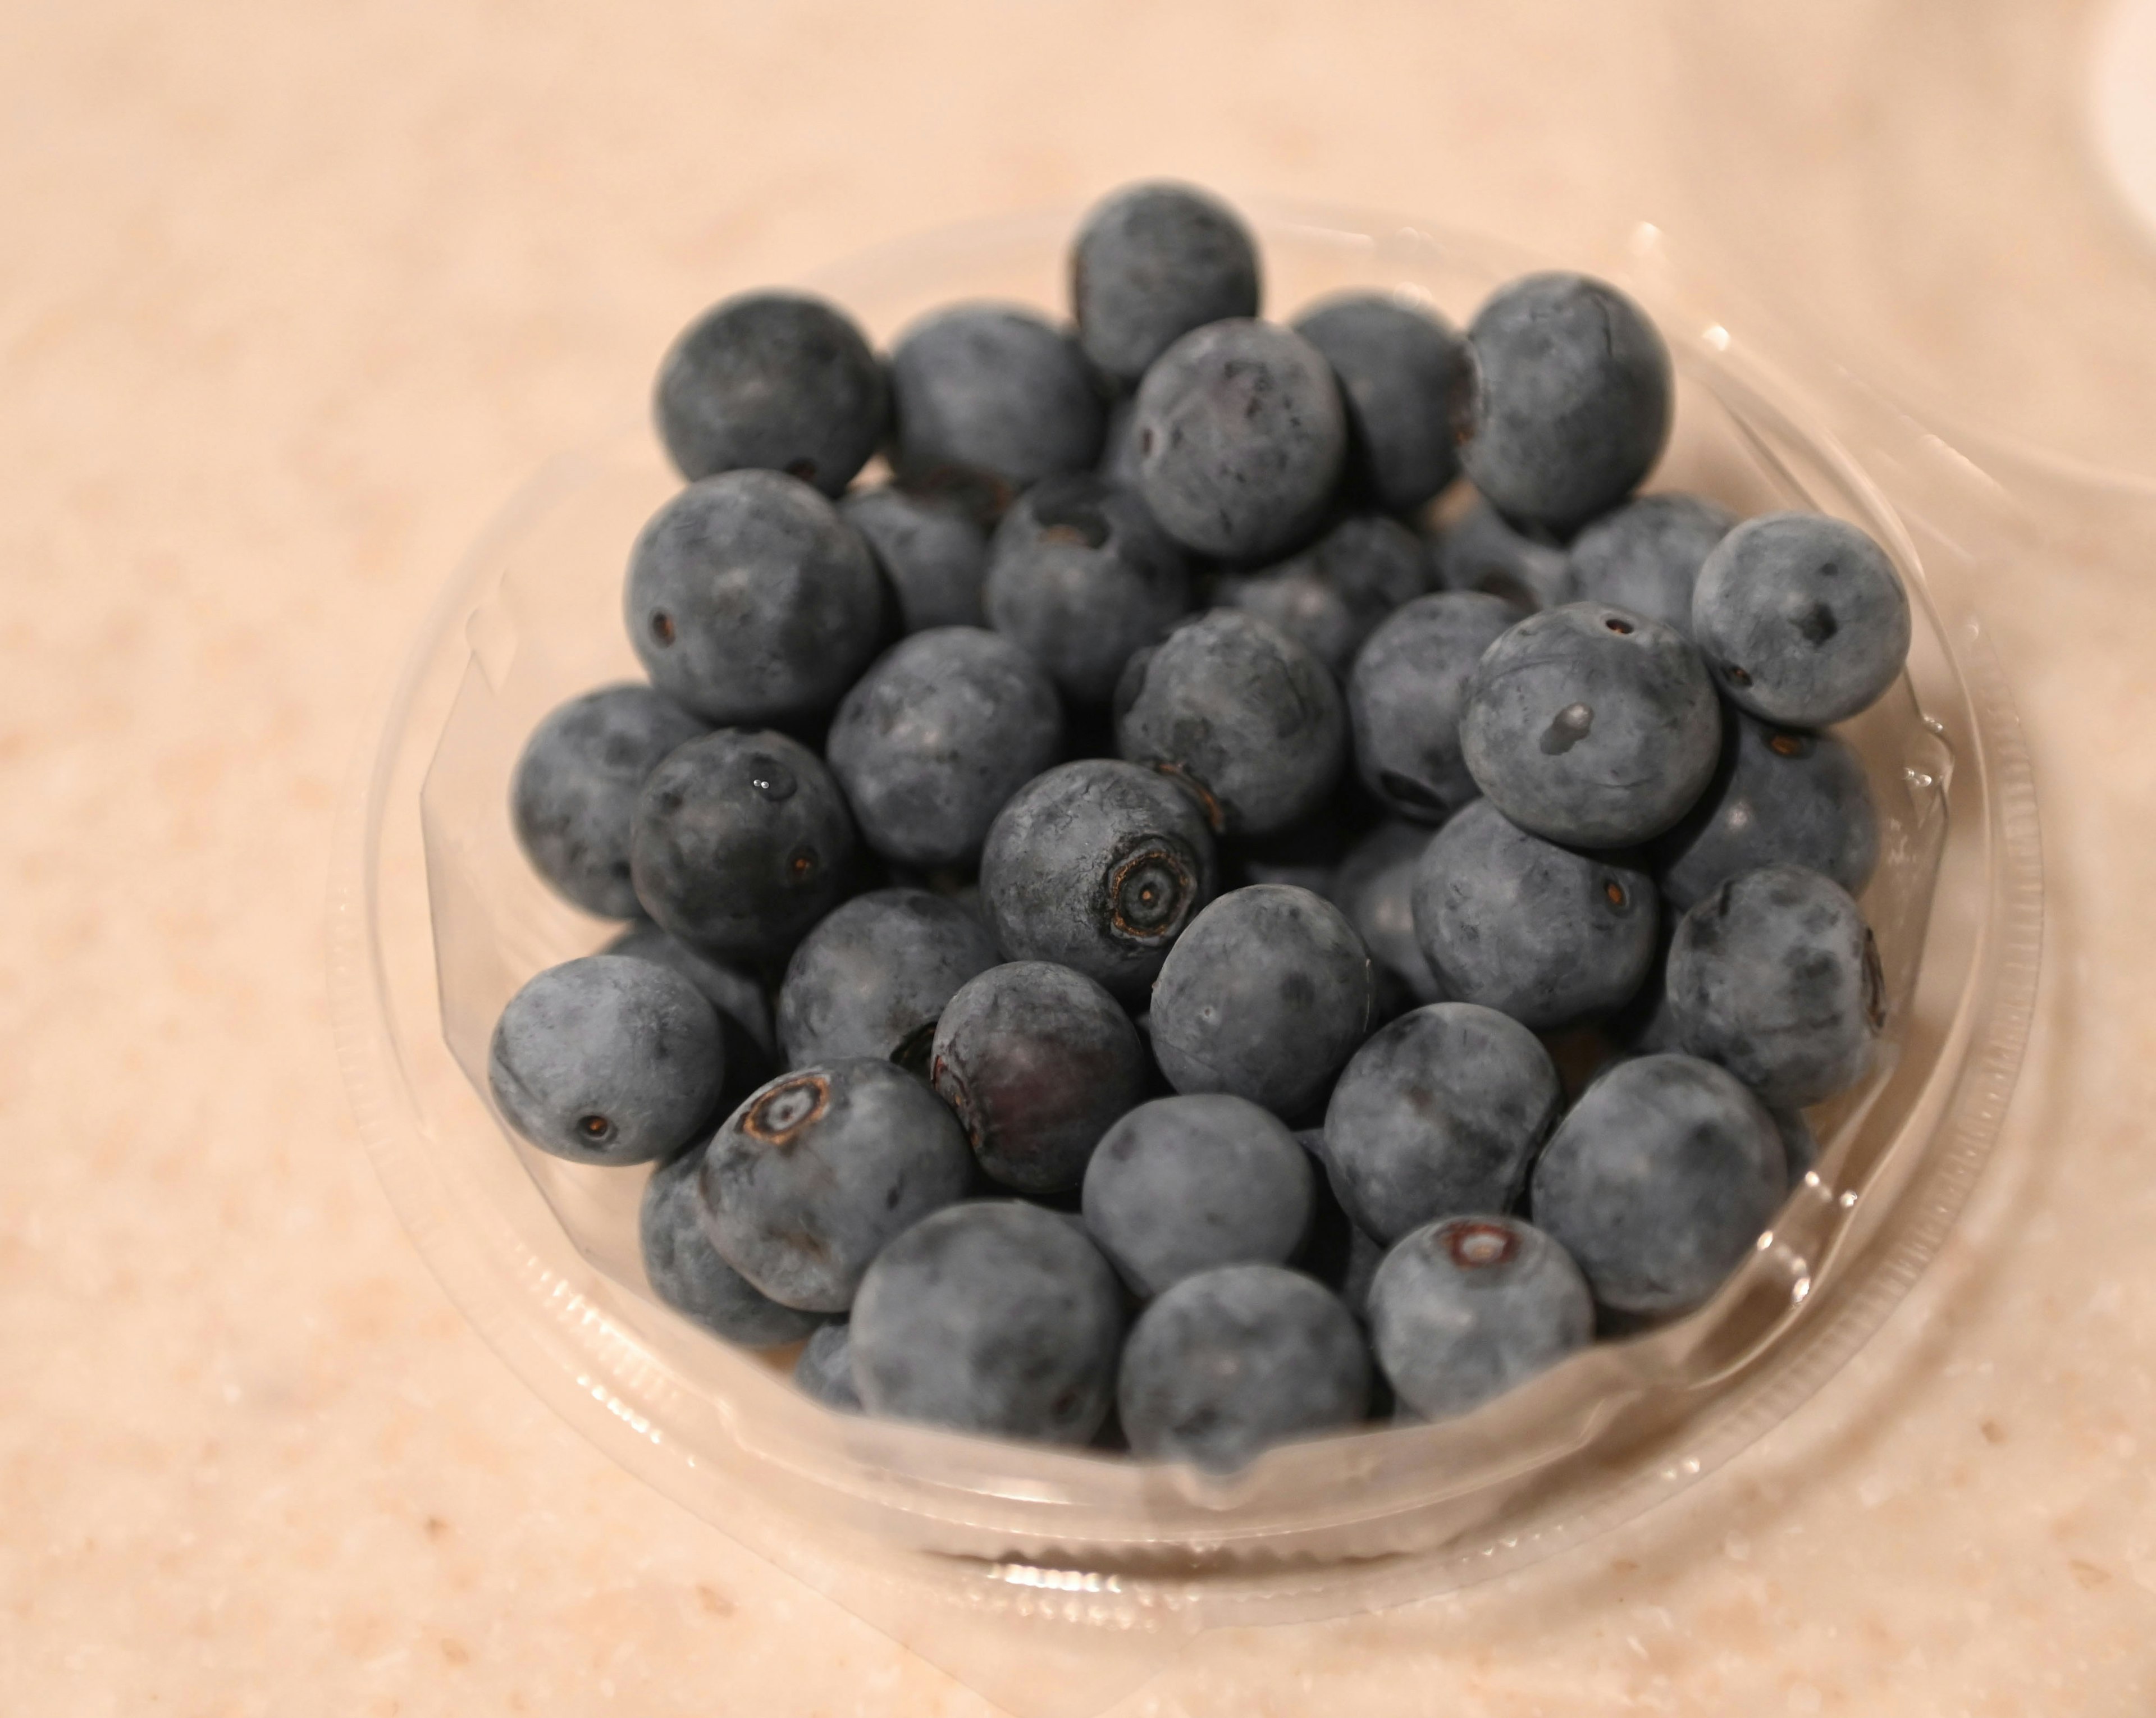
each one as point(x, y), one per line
point(686, 1272)
point(744, 1011)
point(824, 1370)
point(1405, 694)
point(931, 552)
point(1152, 262)
point(1331, 596)
point(992, 393)
point(1375, 889)
point(1645, 556)
point(1482, 550)
point(871, 978)
point(1409, 386)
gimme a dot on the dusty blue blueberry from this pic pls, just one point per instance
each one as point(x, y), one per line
point(931, 552)
point(1097, 865)
point(744, 1011)
point(1463, 1310)
point(1375, 889)
point(1779, 796)
point(1405, 694)
point(1229, 1362)
point(1182, 1184)
point(750, 600)
point(1439, 1115)
point(686, 1272)
point(1775, 976)
point(825, 1368)
point(1802, 618)
point(1572, 399)
point(871, 978)
point(1536, 930)
point(774, 380)
point(1660, 1181)
point(809, 1179)
point(1119, 448)
point(1645, 556)
point(992, 1316)
point(1152, 262)
point(943, 728)
point(1265, 996)
point(1241, 435)
point(1409, 388)
point(1331, 596)
point(574, 789)
point(1483, 550)
point(1037, 1060)
point(607, 1060)
point(740, 843)
point(992, 393)
point(1800, 1145)
point(1233, 706)
point(1591, 726)
point(1079, 576)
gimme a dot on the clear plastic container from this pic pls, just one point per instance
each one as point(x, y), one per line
point(1097, 1566)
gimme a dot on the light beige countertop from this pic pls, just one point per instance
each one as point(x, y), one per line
point(291, 298)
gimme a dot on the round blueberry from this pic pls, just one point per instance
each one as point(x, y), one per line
point(992, 1316)
point(936, 737)
point(1375, 889)
point(1482, 550)
point(1182, 1184)
point(1463, 1310)
point(1037, 1060)
point(1079, 576)
point(1572, 399)
point(607, 1060)
point(686, 1272)
point(1802, 618)
point(1096, 865)
point(750, 600)
point(1331, 596)
point(815, 1174)
point(1660, 1181)
point(930, 549)
point(1775, 976)
point(1241, 435)
point(1231, 1361)
point(1409, 388)
point(1439, 1115)
point(740, 843)
point(1152, 262)
point(744, 1011)
point(825, 1369)
point(1645, 556)
point(573, 791)
point(1591, 726)
point(1406, 692)
point(773, 380)
point(871, 979)
point(1265, 995)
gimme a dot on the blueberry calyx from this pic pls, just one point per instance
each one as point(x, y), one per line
point(662, 627)
point(1149, 893)
point(1475, 1245)
point(784, 1110)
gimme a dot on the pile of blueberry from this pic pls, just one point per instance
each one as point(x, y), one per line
point(1103, 893)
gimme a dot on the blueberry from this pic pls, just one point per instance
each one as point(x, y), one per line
point(1237, 709)
point(1463, 1310)
point(1482, 550)
point(1780, 795)
point(1660, 1181)
point(992, 1316)
point(1096, 865)
point(750, 600)
point(871, 978)
point(1409, 388)
point(773, 380)
point(825, 1369)
point(815, 1174)
point(1405, 694)
point(1182, 1184)
point(1536, 930)
point(574, 790)
point(1645, 1025)
point(744, 1011)
point(936, 737)
point(1591, 726)
point(607, 1060)
point(1241, 435)
point(740, 843)
point(686, 1272)
point(1331, 596)
point(1800, 1145)
point(1645, 556)
point(1572, 399)
point(992, 393)
point(1375, 889)
point(1231, 1361)
point(1801, 617)
point(1775, 976)
point(1037, 1060)
point(931, 552)
point(1152, 262)
point(1079, 576)
point(1119, 448)
point(1439, 1115)
point(1364, 1256)
point(1265, 995)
